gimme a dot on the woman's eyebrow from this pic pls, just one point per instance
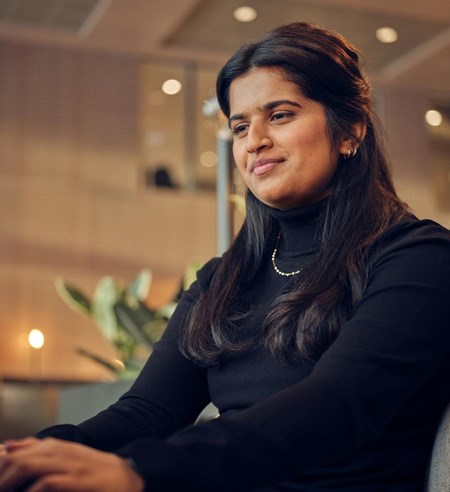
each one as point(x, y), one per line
point(280, 102)
point(238, 116)
point(268, 106)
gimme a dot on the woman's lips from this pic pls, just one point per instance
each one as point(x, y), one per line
point(263, 166)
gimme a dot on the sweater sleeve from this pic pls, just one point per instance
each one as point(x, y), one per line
point(397, 338)
point(168, 394)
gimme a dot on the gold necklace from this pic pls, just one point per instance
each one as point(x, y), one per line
point(274, 253)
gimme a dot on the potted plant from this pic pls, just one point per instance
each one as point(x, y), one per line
point(123, 317)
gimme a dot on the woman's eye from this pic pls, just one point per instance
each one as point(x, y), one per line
point(239, 130)
point(280, 116)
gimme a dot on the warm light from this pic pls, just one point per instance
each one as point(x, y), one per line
point(433, 117)
point(119, 363)
point(171, 87)
point(36, 339)
point(245, 14)
point(386, 34)
point(208, 158)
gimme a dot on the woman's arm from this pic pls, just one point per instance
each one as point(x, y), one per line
point(393, 345)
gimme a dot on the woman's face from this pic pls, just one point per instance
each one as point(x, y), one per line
point(280, 141)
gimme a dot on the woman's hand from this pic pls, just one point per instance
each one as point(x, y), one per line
point(52, 465)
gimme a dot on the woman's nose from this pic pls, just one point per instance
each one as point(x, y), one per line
point(257, 138)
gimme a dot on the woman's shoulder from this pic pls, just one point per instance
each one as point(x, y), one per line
point(412, 236)
point(412, 230)
point(412, 257)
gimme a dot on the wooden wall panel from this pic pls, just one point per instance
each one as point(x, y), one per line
point(72, 205)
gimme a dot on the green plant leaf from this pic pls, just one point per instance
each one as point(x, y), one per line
point(73, 297)
point(166, 311)
point(100, 360)
point(133, 319)
point(154, 329)
point(130, 373)
point(190, 274)
point(140, 286)
point(106, 295)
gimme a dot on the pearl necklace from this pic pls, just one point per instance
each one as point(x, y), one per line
point(283, 274)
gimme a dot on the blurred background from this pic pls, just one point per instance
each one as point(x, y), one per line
point(108, 160)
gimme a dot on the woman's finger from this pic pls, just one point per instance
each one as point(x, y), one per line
point(26, 462)
point(56, 465)
point(55, 483)
point(14, 444)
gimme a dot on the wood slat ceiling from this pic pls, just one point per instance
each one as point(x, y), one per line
point(205, 31)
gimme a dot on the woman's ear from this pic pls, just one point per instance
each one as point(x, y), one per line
point(351, 143)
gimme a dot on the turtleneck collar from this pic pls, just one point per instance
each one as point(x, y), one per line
point(298, 227)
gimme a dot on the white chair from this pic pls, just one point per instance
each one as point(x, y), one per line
point(438, 479)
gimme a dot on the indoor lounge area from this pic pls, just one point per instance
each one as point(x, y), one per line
point(118, 181)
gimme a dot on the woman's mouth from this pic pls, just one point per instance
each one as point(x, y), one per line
point(263, 166)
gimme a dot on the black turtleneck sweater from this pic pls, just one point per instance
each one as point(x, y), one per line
point(360, 419)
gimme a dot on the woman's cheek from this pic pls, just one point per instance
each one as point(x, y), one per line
point(239, 159)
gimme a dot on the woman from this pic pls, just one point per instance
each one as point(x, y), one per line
point(321, 335)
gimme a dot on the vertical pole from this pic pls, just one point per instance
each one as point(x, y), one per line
point(223, 191)
point(190, 125)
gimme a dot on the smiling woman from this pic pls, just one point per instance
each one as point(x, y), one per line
point(321, 335)
point(282, 145)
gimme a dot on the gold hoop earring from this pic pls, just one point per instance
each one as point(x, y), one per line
point(350, 153)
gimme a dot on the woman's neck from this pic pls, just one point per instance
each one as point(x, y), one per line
point(298, 227)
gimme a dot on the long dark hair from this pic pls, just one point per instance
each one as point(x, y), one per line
point(363, 203)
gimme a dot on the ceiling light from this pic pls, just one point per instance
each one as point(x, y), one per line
point(245, 14)
point(386, 34)
point(433, 117)
point(171, 87)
